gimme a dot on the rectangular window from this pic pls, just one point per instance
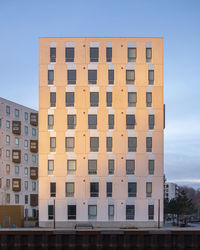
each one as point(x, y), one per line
point(17, 113)
point(92, 166)
point(7, 124)
point(92, 121)
point(26, 199)
point(26, 185)
point(52, 54)
point(7, 139)
point(69, 54)
point(130, 121)
point(109, 99)
point(16, 185)
point(33, 186)
point(71, 76)
point(71, 209)
point(33, 132)
point(50, 77)
point(50, 121)
point(92, 76)
point(132, 144)
point(130, 212)
point(52, 99)
point(148, 99)
point(50, 167)
point(16, 170)
point(94, 54)
point(109, 189)
point(71, 167)
point(7, 110)
point(151, 212)
point(111, 76)
point(34, 119)
point(94, 189)
point(16, 199)
point(50, 212)
point(69, 189)
point(111, 121)
point(94, 144)
point(148, 54)
point(149, 189)
point(7, 153)
point(71, 121)
point(8, 198)
point(26, 157)
point(108, 54)
point(25, 116)
point(149, 144)
point(52, 189)
point(132, 189)
point(130, 77)
point(92, 212)
point(0, 123)
point(109, 144)
point(132, 99)
point(26, 171)
point(16, 156)
point(8, 183)
point(16, 142)
point(151, 121)
point(33, 146)
point(33, 158)
point(69, 144)
point(94, 99)
point(151, 167)
point(111, 212)
point(111, 166)
point(52, 144)
point(16, 127)
point(132, 54)
point(69, 99)
point(26, 130)
point(7, 169)
point(151, 77)
point(130, 166)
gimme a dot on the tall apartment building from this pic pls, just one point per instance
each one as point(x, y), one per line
point(101, 121)
point(19, 156)
point(171, 190)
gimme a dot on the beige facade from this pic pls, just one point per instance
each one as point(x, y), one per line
point(65, 66)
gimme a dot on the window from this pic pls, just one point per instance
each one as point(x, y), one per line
point(149, 99)
point(94, 189)
point(26, 185)
point(111, 212)
point(92, 76)
point(8, 198)
point(108, 54)
point(50, 212)
point(148, 54)
point(92, 121)
point(7, 183)
point(151, 212)
point(52, 189)
point(71, 167)
point(52, 54)
point(33, 158)
point(50, 166)
point(50, 77)
point(16, 199)
point(7, 153)
point(151, 77)
point(50, 121)
point(16, 142)
point(69, 144)
point(34, 119)
point(52, 99)
point(16, 127)
point(17, 113)
point(130, 77)
point(94, 54)
point(33, 146)
point(132, 99)
point(26, 116)
point(149, 189)
point(16, 185)
point(109, 99)
point(130, 121)
point(109, 189)
point(110, 76)
point(52, 144)
point(94, 99)
point(69, 54)
point(71, 121)
point(94, 144)
point(109, 144)
point(0, 123)
point(33, 186)
point(26, 199)
point(149, 144)
point(132, 189)
point(34, 200)
point(92, 166)
point(92, 212)
point(26, 157)
point(71, 212)
point(7, 169)
point(26, 130)
point(33, 173)
point(132, 144)
point(69, 99)
point(71, 76)
point(26, 171)
point(7, 139)
point(111, 164)
point(130, 212)
point(110, 121)
point(16, 156)
point(7, 124)
point(151, 121)
point(69, 189)
point(151, 167)
point(130, 166)
point(7, 110)
point(132, 54)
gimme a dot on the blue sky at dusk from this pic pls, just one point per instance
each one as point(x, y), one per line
point(178, 21)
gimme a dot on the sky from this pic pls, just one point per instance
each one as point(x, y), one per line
point(22, 22)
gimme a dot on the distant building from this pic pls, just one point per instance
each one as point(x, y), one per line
point(19, 156)
point(171, 190)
